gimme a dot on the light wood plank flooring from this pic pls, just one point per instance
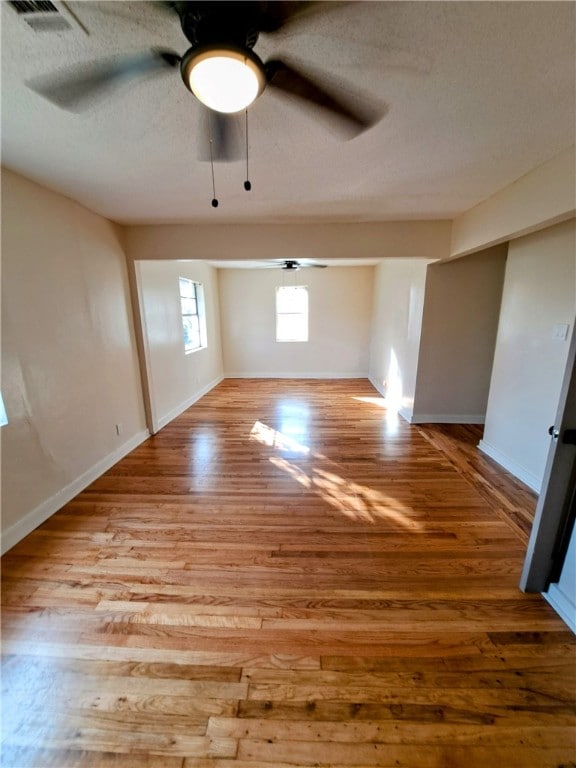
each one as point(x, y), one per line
point(509, 497)
point(286, 575)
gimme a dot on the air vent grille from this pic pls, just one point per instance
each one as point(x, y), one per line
point(27, 6)
point(47, 23)
point(44, 16)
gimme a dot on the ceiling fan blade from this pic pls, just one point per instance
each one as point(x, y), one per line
point(280, 13)
point(75, 89)
point(221, 137)
point(348, 112)
point(306, 263)
point(290, 264)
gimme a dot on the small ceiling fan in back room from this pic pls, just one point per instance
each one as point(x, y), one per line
point(291, 265)
point(221, 69)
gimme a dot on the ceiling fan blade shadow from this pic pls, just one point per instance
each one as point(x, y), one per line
point(75, 90)
point(351, 115)
point(221, 137)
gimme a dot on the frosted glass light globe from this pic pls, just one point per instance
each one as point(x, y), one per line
point(225, 80)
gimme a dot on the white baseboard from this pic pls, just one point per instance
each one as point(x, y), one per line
point(46, 509)
point(432, 418)
point(181, 407)
point(562, 604)
point(447, 418)
point(527, 477)
point(406, 414)
point(314, 375)
point(377, 386)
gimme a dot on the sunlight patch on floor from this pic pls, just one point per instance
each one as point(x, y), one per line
point(390, 407)
point(291, 469)
point(274, 439)
point(380, 401)
point(327, 479)
point(357, 502)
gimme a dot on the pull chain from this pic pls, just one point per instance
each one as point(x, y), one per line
point(247, 185)
point(214, 199)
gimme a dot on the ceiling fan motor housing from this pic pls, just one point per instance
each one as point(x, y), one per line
point(219, 23)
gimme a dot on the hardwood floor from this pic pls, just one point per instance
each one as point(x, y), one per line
point(509, 497)
point(286, 575)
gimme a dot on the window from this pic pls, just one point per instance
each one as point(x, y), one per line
point(292, 313)
point(193, 319)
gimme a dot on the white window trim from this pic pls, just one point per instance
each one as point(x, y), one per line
point(200, 314)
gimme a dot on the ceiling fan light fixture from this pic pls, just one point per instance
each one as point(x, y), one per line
point(224, 78)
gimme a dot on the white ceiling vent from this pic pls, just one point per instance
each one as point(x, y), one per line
point(26, 6)
point(44, 16)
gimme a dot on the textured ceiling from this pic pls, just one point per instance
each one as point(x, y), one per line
point(476, 95)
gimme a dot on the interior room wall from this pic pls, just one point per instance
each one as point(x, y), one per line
point(340, 305)
point(177, 379)
point(459, 326)
point(529, 361)
point(69, 367)
point(543, 197)
point(395, 329)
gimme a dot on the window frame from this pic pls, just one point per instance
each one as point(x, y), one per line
point(303, 313)
point(195, 293)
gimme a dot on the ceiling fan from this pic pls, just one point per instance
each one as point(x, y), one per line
point(220, 68)
point(291, 265)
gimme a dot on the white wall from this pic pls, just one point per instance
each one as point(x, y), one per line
point(177, 379)
point(459, 326)
point(543, 197)
point(69, 366)
point(396, 327)
point(539, 292)
point(340, 305)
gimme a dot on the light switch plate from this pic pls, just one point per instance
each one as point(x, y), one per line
point(560, 331)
